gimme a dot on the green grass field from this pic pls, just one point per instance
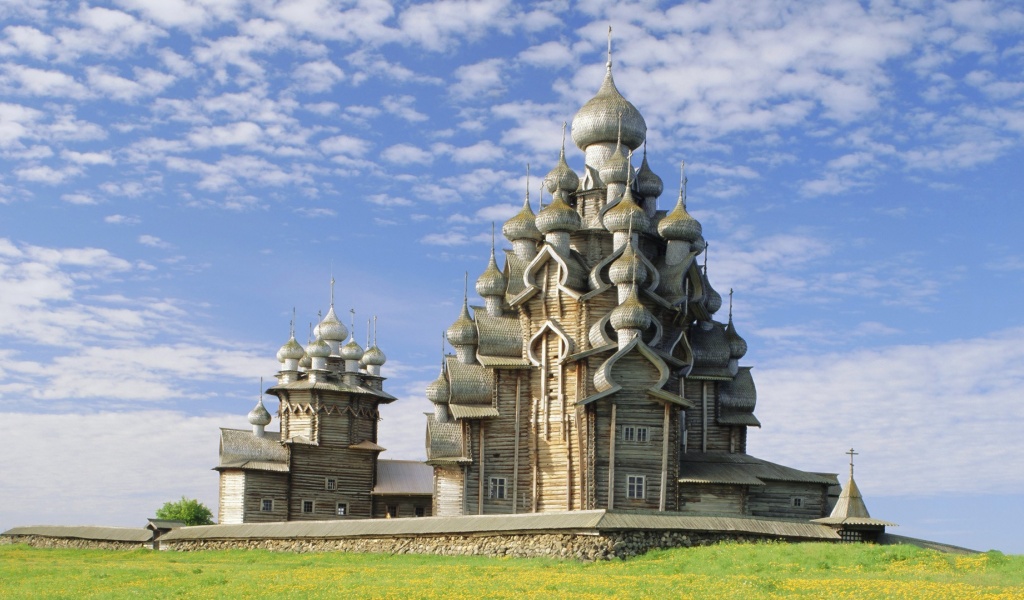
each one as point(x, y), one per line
point(773, 570)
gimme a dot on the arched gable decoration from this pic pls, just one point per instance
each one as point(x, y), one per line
point(566, 347)
point(547, 253)
point(599, 282)
point(606, 386)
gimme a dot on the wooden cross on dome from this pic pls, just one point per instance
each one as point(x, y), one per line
point(852, 454)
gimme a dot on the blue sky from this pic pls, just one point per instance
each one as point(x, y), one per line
point(177, 176)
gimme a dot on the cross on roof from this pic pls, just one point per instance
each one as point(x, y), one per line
point(852, 454)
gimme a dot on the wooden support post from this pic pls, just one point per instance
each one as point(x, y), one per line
point(480, 484)
point(534, 443)
point(515, 452)
point(704, 416)
point(664, 460)
point(544, 392)
point(611, 462)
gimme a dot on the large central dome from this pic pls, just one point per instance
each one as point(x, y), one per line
point(598, 120)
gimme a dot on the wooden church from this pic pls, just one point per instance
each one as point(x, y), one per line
point(596, 375)
point(324, 462)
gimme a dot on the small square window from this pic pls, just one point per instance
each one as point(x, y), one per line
point(267, 505)
point(497, 488)
point(635, 487)
point(641, 435)
point(628, 434)
point(392, 511)
point(330, 484)
point(307, 506)
point(420, 511)
point(342, 509)
point(798, 502)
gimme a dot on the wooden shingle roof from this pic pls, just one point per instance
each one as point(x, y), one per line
point(240, 449)
point(740, 469)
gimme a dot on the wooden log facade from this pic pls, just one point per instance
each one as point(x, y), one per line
point(324, 462)
point(595, 376)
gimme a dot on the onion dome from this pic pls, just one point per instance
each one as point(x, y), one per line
point(305, 362)
point(737, 345)
point(627, 268)
point(598, 120)
point(738, 395)
point(562, 177)
point(492, 282)
point(680, 225)
point(558, 216)
point(647, 181)
point(291, 350)
point(438, 391)
point(352, 350)
point(712, 299)
point(616, 168)
point(463, 331)
point(523, 226)
point(318, 348)
point(709, 344)
point(330, 328)
point(374, 356)
point(626, 215)
point(259, 415)
point(631, 314)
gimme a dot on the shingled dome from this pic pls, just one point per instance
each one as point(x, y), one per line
point(598, 120)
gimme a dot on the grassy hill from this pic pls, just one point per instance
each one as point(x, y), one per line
point(773, 570)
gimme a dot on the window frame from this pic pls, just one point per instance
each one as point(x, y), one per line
point(636, 487)
point(331, 484)
point(312, 507)
point(341, 509)
point(263, 504)
point(496, 488)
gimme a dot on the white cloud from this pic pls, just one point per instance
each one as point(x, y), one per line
point(318, 76)
point(407, 154)
point(244, 133)
point(80, 199)
point(549, 55)
point(345, 144)
point(88, 158)
point(121, 220)
point(402, 107)
point(48, 175)
point(912, 406)
point(388, 201)
point(153, 242)
point(18, 79)
point(479, 81)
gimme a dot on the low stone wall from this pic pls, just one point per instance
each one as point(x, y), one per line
point(585, 547)
point(41, 541)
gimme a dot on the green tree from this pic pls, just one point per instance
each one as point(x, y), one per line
point(191, 511)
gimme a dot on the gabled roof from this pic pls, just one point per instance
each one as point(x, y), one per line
point(498, 336)
point(404, 477)
point(444, 440)
point(740, 469)
point(332, 386)
point(241, 449)
point(470, 384)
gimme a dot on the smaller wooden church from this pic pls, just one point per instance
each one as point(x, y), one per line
point(324, 462)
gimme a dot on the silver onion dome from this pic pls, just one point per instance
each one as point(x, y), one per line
point(598, 120)
point(438, 391)
point(712, 299)
point(522, 226)
point(352, 350)
point(648, 184)
point(318, 348)
point(463, 331)
point(737, 345)
point(627, 268)
point(330, 328)
point(305, 362)
point(626, 216)
point(291, 350)
point(259, 415)
point(558, 216)
point(374, 356)
point(631, 314)
point(492, 282)
point(616, 168)
point(562, 177)
point(680, 225)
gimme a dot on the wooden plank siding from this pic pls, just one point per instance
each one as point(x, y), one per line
point(405, 506)
point(720, 438)
point(264, 485)
point(775, 499)
point(712, 499)
point(232, 497)
point(448, 490)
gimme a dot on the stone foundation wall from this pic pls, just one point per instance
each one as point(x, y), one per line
point(606, 546)
point(41, 541)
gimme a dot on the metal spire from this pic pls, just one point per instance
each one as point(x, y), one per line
point(563, 139)
point(465, 290)
point(682, 179)
point(332, 284)
point(609, 47)
point(291, 324)
point(730, 305)
point(368, 333)
point(352, 322)
point(375, 331)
